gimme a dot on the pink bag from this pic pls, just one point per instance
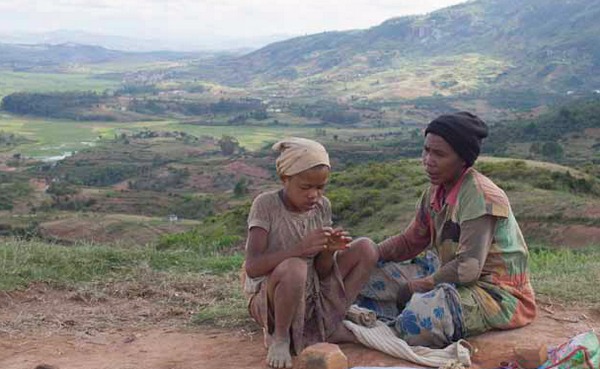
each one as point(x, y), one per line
point(580, 352)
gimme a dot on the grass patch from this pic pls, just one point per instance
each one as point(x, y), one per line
point(135, 273)
point(566, 275)
point(23, 263)
point(230, 310)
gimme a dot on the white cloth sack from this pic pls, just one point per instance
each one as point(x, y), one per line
point(382, 338)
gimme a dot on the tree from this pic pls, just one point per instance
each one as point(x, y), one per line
point(241, 187)
point(535, 148)
point(228, 144)
point(552, 150)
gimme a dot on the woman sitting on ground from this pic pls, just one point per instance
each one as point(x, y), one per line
point(301, 274)
point(476, 276)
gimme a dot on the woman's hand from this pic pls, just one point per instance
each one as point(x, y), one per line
point(421, 285)
point(406, 290)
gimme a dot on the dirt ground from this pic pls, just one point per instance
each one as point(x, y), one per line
point(45, 328)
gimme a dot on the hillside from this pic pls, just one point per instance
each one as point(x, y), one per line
point(566, 133)
point(487, 55)
point(555, 206)
point(155, 174)
point(475, 47)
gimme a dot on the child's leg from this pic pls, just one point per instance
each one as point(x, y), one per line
point(355, 265)
point(285, 293)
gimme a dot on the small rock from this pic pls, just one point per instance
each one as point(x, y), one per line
point(129, 339)
point(531, 358)
point(46, 366)
point(322, 356)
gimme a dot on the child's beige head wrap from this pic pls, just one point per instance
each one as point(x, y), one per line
point(299, 154)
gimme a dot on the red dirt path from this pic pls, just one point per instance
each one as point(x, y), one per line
point(163, 348)
point(65, 330)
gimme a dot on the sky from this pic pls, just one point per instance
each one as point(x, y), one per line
point(203, 19)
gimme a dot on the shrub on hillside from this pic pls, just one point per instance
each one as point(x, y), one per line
point(217, 234)
point(517, 172)
point(61, 189)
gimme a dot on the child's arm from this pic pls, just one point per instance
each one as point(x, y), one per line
point(259, 262)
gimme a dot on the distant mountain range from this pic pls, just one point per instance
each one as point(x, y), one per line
point(476, 48)
point(23, 57)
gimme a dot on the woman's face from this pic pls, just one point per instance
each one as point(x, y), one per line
point(304, 190)
point(442, 164)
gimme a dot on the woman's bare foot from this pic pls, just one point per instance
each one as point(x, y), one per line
point(342, 335)
point(279, 355)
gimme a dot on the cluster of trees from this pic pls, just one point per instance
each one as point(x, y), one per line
point(326, 111)
point(58, 188)
point(82, 105)
point(552, 150)
point(174, 178)
point(71, 203)
point(96, 175)
point(134, 89)
point(436, 104)
point(150, 134)
point(193, 207)
point(252, 108)
point(68, 105)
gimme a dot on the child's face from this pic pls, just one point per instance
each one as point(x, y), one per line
point(304, 190)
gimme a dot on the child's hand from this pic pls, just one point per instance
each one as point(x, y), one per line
point(338, 240)
point(315, 242)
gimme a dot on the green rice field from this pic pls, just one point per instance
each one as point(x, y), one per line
point(11, 82)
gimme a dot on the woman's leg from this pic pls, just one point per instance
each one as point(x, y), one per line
point(355, 265)
point(285, 293)
point(432, 319)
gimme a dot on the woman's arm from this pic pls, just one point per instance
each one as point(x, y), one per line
point(476, 237)
point(407, 245)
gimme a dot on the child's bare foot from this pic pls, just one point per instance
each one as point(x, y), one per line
point(279, 355)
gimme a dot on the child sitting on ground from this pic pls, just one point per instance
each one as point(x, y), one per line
point(301, 274)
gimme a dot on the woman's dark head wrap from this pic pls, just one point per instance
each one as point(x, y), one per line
point(463, 131)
